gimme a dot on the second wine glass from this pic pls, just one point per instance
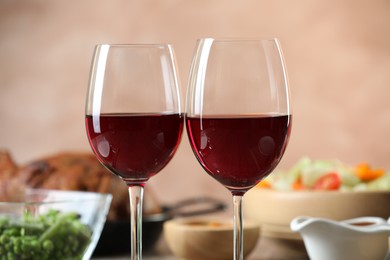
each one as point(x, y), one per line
point(238, 114)
point(133, 117)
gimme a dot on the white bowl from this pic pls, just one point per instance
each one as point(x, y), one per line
point(364, 238)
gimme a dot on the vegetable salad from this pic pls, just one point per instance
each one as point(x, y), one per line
point(53, 235)
point(309, 174)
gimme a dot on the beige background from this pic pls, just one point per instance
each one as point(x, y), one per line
point(337, 54)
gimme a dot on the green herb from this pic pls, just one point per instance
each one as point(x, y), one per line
point(53, 235)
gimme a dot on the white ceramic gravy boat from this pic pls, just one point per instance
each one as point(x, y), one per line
point(364, 238)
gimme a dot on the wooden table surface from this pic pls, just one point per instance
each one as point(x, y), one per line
point(266, 249)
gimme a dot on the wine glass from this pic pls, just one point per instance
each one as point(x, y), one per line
point(238, 116)
point(133, 117)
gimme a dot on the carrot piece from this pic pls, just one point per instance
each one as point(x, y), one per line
point(264, 184)
point(297, 184)
point(366, 173)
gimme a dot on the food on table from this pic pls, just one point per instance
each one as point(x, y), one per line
point(308, 174)
point(53, 235)
point(210, 223)
point(79, 171)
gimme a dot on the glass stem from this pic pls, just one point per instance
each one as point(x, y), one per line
point(136, 194)
point(238, 230)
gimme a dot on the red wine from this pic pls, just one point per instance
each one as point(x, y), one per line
point(239, 151)
point(134, 146)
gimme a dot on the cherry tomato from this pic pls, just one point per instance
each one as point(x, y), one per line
point(329, 181)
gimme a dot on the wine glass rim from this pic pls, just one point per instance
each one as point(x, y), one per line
point(135, 45)
point(239, 39)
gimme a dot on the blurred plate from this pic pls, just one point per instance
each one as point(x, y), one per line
point(274, 210)
point(272, 207)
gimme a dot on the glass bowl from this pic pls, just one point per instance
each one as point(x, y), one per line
point(52, 224)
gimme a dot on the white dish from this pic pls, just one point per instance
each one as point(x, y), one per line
point(364, 238)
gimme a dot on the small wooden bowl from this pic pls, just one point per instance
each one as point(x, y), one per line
point(207, 239)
